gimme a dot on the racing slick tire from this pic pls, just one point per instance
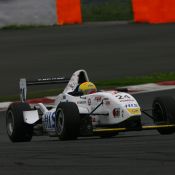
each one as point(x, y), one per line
point(67, 121)
point(164, 113)
point(17, 130)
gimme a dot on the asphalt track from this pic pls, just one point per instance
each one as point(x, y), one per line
point(105, 50)
point(144, 152)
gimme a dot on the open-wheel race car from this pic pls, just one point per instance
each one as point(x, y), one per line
point(80, 110)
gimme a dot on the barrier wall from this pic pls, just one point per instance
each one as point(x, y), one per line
point(69, 11)
point(39, 12)
point(154, 11)
point(49, 12)
point(27, 12)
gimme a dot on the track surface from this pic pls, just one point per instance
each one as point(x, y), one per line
point(105, 50)
point(144, 152)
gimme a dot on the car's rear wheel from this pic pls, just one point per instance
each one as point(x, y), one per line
point(164, 113)
point(67, 121)
point(17, 130)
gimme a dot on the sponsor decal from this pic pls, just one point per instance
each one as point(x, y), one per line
point(81, 102)
point(51, 79)
point(134, 111)
point(127, 100)
point(114, 92)
point(89, 101)
point(131, 105)
point(98, 98)
point(122, 113)
point(107, 103)
point(116, 112)
point(71, 85)
point(49, 120)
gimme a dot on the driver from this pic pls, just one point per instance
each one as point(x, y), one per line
point(87, 88)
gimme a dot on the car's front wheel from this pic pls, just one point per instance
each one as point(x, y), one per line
point(67, 121)
point(17, 130)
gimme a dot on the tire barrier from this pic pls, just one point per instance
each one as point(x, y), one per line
point(154, 11)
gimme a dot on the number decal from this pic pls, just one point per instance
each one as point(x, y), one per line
point(121, 97)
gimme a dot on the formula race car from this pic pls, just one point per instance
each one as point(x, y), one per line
point(82, 111)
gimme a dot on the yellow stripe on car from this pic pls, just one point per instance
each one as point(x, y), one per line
point(149, 127)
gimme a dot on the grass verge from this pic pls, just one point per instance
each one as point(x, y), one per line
point(108, 10)
point(153, 78)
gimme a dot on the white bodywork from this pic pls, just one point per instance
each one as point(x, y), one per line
point(124, 103)
point(30, 117)
point(113, 107)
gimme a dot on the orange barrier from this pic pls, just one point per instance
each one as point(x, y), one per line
point(68, 11)
point(154, 11)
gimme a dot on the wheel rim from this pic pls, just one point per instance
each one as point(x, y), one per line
point(60, 121)
point(10, 123)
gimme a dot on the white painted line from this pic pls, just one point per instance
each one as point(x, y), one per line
point(150, 86)
point(147, 88)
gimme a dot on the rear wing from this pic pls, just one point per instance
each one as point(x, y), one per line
point(23, 84)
